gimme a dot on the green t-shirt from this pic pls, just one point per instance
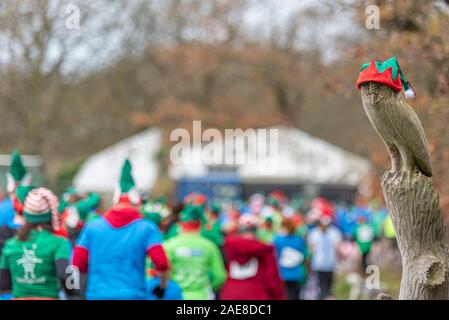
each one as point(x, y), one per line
point(211, 231)
point(364, 237)
point(266, 236)
point(196, 265)
point(32, 264)
point(173, 231)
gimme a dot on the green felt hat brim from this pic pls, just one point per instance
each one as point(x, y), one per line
point(37, 218)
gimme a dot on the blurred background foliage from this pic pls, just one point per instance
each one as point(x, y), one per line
point(65, 93)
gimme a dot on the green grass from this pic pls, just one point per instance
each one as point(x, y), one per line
point(390, 282)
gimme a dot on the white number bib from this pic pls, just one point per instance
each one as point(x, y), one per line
point(290, 258)
point(245, 271)
point(365, 234)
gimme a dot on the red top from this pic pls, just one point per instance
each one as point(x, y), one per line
point(252, 271)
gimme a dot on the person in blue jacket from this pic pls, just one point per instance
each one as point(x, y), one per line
point(292, 255)
point(112, 249)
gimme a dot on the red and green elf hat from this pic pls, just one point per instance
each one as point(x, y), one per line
point(194, 198)
point(126, 191)
point(192, 213)
point(388, 73)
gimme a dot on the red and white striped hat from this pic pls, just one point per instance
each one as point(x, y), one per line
point(40, 206)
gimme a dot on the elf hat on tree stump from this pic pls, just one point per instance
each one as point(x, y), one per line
point(388, 73)
point(126, 191)
point(17, 174)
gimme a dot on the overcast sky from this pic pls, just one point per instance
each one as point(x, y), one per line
point(95, 49)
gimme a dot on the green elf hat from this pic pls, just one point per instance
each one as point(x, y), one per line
point(192, 213)
point(162, 200)
point(215, 207)
point(152, 211)
point(126, 191)
point(22, 192)
point(65, 198)
point(155, 211)
point(388, 73)
point(69, 192)
point(273, 202)
point(17, 173)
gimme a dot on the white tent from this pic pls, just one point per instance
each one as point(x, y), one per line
point(308, 159)
point(101, 171)
point(298, 158)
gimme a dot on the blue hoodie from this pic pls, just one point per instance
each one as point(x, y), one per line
point(291, 253)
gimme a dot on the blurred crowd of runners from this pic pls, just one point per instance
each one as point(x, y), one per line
point(269, 246)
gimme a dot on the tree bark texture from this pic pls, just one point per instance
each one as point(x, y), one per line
point(414, 207)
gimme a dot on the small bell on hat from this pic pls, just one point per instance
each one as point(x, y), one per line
point(388, 73)
point(126, 191)
point(409, 91)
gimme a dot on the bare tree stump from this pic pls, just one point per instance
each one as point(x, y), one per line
point(414, 208)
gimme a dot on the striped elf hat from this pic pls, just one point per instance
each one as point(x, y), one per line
point(388, 73)
point(41, 206)
point(126, 191)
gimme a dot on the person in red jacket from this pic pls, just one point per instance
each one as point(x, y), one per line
point(252, 270)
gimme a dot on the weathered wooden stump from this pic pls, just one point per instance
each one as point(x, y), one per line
point(414, 208)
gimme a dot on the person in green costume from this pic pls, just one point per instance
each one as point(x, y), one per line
point(154, 212)
point(212, 228)
point(364, 236)
point(273, 210)
point(76, 210)
point(267, 232)
point(196, 262)
point(34, 262)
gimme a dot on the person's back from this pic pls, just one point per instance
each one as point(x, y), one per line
point(324, 248)
point(32, 264)
point(324, 242)
point(252, 270)
point(291, 252)
point(364, 236)
point(196, 264)
point(116, 268)
point(112, 249)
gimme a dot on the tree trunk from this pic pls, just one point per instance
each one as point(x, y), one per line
point(414, 208)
